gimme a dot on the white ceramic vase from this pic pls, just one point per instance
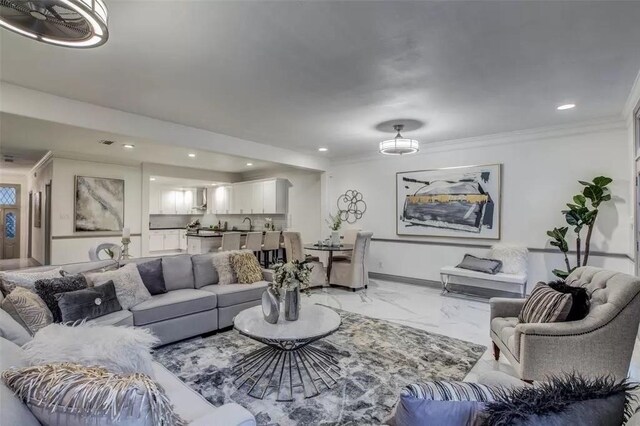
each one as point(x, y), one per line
point(335, 238)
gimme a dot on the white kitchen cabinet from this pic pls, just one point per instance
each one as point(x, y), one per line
point(221, 200)
point(168, 201)
point(242, 198)
point(172, 240)
point(183, 239)
point(257, 197)
point(270, 193)
point(156, 240)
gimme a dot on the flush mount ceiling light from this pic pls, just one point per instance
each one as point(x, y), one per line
point(191, 155)
point(68, 23)
point(126, 145)
point(249, 164)
point(566, 106)
point(323, 149)
point(399, 145)
point(152, 178)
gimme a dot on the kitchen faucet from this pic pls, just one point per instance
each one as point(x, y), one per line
point(250, 223)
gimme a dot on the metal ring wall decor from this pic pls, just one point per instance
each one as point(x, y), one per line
point(351, 206)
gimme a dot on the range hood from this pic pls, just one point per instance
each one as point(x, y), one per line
point(201, 199)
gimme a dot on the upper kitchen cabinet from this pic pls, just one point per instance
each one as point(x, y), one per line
point(166, 200)
point(261, 197)
point(221, 200)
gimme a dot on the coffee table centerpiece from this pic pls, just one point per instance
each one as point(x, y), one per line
point(288, 361)
point(289, 279)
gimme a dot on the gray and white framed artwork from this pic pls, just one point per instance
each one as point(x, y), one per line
point(99, 204)
point(451, 202)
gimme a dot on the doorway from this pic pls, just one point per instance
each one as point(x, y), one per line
point(9, 221)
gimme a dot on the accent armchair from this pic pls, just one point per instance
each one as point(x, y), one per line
point(600, 344)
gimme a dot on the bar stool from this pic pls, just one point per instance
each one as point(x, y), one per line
point(230, 241)
point(253, 242)
point(270, 247)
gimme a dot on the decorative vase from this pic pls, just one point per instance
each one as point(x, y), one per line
point(270, 306)
point(292, 304)
point(335, 238)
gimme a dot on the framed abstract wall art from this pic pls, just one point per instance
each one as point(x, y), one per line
point(452, 202)
point(99, 204)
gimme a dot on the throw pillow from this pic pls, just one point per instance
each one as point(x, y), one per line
point(246, 267)
point(580, 299)
point(47, 289)
point(118, 349)
point(88, 303)
point(13, 279)
point(441, 403)
point(152, 276)
point(544, 304)
point(514, 258)
point(566, 400)
point(473, 263)
point(222, 263)
point(28, 309)
point(130, 289)
point(73, 394)
point(12, 330)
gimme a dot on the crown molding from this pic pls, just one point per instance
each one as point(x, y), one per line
point(40, 164)
point(518, 136)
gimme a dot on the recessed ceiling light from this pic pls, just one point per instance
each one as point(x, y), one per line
point(566, 106)
point(323, 149)
point(249, 164)
point(192, 155)
point(128, 146)
point(152, 179)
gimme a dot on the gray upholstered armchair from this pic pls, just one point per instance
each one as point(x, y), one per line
point(600, 344)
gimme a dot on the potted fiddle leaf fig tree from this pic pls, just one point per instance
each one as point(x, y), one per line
point(580, 214)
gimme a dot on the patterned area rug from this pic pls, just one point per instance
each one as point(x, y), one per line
point(377, 359)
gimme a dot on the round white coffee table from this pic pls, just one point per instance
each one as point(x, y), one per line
point(288, 361)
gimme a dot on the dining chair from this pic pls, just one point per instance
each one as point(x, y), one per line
point(354, 274)
point(348, 237)
point(270, 247)
point(294, 251)
point(230, 241)
point(253, 242)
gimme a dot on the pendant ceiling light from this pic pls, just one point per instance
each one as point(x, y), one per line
point(69, 23)
point(399, 145)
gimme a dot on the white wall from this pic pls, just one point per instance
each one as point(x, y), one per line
point(37, 179)
point(304, 199)
point(68, 246)
point(13, 179)
point(539, 175)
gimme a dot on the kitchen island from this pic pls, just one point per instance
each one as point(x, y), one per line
point(208, 241)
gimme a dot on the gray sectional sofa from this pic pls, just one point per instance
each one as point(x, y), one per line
point(194, 303)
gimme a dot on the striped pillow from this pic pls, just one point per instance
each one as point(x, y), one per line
point(545, 304)
point(450, 391)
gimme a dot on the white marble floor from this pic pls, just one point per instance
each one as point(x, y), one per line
point(425, 308)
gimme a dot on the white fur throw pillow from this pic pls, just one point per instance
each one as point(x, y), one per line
point(222, 263)
point(514, 258)
point(123, 350)
point(130, 289)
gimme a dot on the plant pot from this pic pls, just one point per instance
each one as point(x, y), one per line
point(292, 304)
point(335, 238)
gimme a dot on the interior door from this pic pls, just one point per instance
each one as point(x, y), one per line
point(9, 221)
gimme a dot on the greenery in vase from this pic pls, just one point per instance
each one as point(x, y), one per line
point(288, 276)
point(334, 222)
point(580, 214)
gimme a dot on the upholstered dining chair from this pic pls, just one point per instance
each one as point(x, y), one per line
point(354, 274)
point(230, 241)
point(348, 237)
point(270, 247)
point(600, 344)
point(294, 251)
point(253, 242)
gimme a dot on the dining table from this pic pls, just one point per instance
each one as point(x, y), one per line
point(330, 250)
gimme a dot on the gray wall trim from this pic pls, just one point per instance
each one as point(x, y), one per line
point(479, 245)
point(405, 280)
point(73, 237)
